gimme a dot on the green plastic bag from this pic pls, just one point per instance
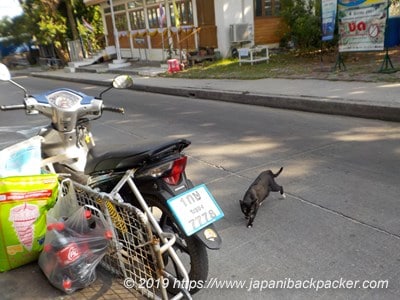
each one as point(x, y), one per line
point(24, 202)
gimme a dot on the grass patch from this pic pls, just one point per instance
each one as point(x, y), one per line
point(361, 66)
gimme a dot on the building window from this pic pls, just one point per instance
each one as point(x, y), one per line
point(115, 8)
point(121, 22)
point(267, 8)
point(185, 12)
point(136, 18)
point(135, 4)
point(153, 15)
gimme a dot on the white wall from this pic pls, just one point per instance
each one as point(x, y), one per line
point(229, 12)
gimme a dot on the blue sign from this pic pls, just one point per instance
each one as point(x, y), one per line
point(329, 9)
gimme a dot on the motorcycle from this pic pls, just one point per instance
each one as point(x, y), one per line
point(152, 177)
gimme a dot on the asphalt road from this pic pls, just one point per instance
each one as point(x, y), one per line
point(335, 236)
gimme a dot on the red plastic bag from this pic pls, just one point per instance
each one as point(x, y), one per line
point(73, 247)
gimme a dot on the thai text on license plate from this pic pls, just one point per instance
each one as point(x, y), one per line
point(195, 209)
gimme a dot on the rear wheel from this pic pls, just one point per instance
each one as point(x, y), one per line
point(191, 251)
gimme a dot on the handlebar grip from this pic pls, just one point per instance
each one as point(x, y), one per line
point(120, 110)
point(12, 107)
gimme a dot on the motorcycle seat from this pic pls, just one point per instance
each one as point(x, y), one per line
point(127, 157)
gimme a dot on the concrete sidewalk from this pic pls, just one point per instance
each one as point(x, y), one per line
point(376, 100)
point(29, 283)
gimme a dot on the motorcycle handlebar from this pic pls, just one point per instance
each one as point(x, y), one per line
point(12, 107)
point(120, 110)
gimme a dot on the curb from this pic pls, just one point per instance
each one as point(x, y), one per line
point(344, 107)
point(308, 104)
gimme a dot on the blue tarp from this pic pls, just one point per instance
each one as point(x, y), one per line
point(392, 34)
point(7, 49)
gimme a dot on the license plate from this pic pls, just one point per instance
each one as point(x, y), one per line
point(195, 209)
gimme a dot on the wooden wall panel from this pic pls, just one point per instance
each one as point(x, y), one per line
point(124, 42)
point(110, 34)
point(208, 37)
point(186, 40)
point(268, 30)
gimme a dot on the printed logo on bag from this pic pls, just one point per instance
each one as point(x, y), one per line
point(23, 218)
point(69, 254)
point(26, 195)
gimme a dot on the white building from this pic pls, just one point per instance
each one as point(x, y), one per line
point(148, 28)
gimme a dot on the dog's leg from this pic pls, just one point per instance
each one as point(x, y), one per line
point(253, 214)
point(281, 192)
point(283, 195)
point(250, 223)
point(251, 220)
point(277, 188)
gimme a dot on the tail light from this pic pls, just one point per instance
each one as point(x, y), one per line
point(170, 172)
point(178, 167)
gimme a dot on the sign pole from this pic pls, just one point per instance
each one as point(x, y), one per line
point(387, 66)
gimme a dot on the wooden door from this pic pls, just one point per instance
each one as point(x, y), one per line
point(206, 21)
point(110, 31)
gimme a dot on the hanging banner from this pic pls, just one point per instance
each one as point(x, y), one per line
point(176, 14)
point(362, 25)
point(329, 9)
point(87, 25)
point(161, 16)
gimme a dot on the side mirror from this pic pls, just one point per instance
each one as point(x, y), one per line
point(122, 82)
point(4, 73)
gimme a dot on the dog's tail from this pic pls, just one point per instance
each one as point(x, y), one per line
point(277, 173)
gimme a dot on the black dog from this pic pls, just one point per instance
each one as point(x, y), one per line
point(257, 192)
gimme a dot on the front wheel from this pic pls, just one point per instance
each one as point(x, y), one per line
point(191, 251)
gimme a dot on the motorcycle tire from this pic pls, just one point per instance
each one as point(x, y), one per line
point(189, 249)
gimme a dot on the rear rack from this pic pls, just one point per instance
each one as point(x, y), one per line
point(135, 256)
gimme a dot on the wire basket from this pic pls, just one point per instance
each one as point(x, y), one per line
point(135, 255)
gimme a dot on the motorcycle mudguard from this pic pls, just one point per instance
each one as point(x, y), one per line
point(209, 237)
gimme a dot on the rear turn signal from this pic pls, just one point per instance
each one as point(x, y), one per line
point(178, 167)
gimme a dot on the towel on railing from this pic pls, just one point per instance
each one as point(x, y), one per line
point(243, 51)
